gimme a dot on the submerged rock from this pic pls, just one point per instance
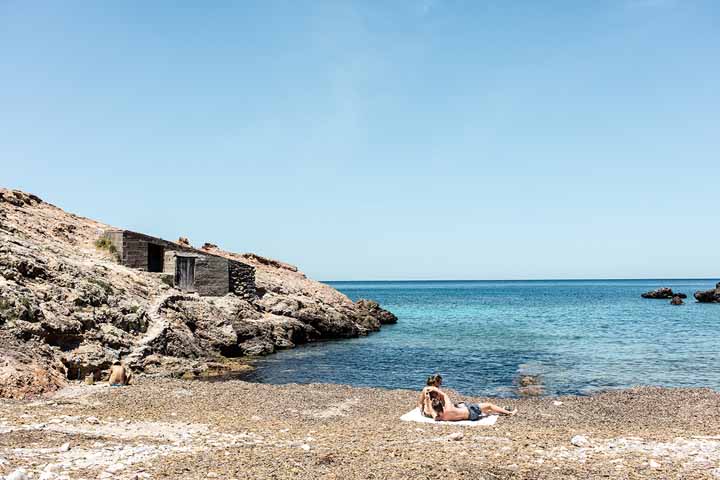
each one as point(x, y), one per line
point(663, 293)
point(530, 385)
point(709, 296)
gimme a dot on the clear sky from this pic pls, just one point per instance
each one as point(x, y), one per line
point(382, 139)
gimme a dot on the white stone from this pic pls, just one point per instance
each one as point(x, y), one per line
point(115, 467)
point(557, 403)
point(18, 474)
point(654, 464)
point(93, 420)
point(65, 447)
point(305, 447)
point(580, 441)
point(456, 436)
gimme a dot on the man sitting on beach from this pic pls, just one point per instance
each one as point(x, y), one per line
point(444, 409)
point(119, 375)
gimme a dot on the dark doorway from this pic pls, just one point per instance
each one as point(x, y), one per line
point(185, 273)
point(156, 257)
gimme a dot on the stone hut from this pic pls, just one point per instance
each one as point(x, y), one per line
point(188, 269)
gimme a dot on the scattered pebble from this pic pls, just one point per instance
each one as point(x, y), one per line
point(456, 436)
point(580, 441)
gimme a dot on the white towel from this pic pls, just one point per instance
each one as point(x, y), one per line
point(415, 415)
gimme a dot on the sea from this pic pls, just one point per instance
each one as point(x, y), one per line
point(570, 337)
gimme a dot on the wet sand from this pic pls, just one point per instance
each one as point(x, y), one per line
point(164, 428)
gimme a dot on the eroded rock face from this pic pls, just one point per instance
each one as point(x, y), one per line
point(28, 368)
point(68, 310)
point(709, 296)
point(373, 309)
point(663, 293)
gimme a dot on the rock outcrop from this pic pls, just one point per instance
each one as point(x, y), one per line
point(676, 300)
point(663, 293)
point(709, 296)
point(68, 309)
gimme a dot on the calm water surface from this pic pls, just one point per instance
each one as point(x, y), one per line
point(579, 336)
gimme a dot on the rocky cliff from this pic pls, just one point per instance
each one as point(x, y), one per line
point(68, 309)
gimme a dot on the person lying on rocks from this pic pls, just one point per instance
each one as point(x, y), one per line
point(119, 374)
point(444, 409)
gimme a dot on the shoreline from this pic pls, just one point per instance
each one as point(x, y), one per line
point(171, 428)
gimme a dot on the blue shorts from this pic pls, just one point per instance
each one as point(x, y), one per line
point(474, 410)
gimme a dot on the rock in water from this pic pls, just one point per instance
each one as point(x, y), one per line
point(663, 293)
point(709, 296)
point(373, 309)
point(676, 300)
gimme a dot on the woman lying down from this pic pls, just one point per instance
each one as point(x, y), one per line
point(437, 404)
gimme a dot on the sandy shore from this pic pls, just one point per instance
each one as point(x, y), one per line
point(192, 429)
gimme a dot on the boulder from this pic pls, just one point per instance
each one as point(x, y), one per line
point(89, 359)
point(663, 293)
point(676, 300)
point(709, 296)
point(373, 309)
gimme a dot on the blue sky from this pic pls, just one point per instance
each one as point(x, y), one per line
point(379, 140)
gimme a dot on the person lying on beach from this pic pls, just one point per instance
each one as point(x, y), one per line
point(445, 410)
point(119, 375)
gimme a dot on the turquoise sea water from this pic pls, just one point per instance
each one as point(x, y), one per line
point(579, 336)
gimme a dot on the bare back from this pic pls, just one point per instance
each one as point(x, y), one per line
point(119, 375)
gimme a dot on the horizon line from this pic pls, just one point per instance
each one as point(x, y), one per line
point(525, 280)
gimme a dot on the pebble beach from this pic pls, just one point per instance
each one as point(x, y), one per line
point(166, 428)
